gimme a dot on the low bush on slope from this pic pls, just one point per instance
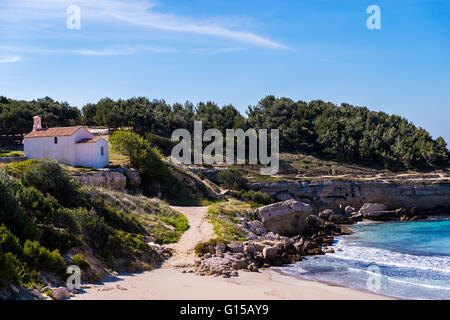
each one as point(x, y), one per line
point(156, 217)
point(44, 213)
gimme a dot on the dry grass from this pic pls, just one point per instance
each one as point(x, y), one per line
point(117, 159)
point(223, 217)
point(11, 154)
point(161, 221)
point(309, 168)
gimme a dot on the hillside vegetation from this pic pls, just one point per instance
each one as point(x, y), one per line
point(45, 215)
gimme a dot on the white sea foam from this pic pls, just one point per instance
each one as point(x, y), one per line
point(415, 283)
point(391, 258)
point(404, 274)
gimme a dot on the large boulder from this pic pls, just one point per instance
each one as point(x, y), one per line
point(339, 219)
point(313, 220)
point(271, 253)
point(240, 264)
point(256, 227)
point(287, 218)
point(236, 247)
point(60, 293)
point(349, 210)
point(250, 250)
point(381, 215)
point(220, 248)
point(288, 243)
point(326, 213)
point(356, 217)
point(371, 207)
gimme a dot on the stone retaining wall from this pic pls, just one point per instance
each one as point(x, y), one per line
point(12, 159)
point(120, 179)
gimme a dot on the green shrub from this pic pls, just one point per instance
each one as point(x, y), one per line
point(232, 179)
point(94, 230)
point(16, 169)
point(67, 218)
point(33, 202)
point(8, 241)
point(79, 260)
point(225, 223)
point(201, 175)
point(42, 259)
point(178, 221)
point(10, 185)
point(11, 214)
point(255, 198)
point(125, 241)
point(206, 165)
point(12, 269)
point(106, 241)
point(11, 154)
point(142, 156)
point(202, 248)
point(118, 219)
point(163, 144)
point(57, 238)
point(48, 176)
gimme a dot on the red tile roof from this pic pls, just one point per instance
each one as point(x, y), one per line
point(93, 140)
point(53, 132)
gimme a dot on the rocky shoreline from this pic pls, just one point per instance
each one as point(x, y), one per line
point(279, 234)
point(285, 232)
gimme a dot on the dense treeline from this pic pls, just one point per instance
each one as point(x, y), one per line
point(345, 132)
point(341, 132)
point(18, 114)
point(349, 133)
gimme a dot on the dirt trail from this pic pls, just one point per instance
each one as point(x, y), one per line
point(200, 230)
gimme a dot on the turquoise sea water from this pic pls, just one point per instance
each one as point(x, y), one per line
point(397, 259)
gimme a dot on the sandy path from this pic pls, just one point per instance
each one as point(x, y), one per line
point(169, 283)
point(200, 230)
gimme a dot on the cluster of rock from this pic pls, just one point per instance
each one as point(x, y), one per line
point(369, 211)
point(286, 231)
point(283, 233)
point(46, 293)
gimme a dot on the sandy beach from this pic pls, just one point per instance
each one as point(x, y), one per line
point(170, 283)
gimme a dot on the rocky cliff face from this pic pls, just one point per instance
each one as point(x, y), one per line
point(120, 179)
point(426, 198)
point(196, 186)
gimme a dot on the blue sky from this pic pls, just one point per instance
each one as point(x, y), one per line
point(233, 52)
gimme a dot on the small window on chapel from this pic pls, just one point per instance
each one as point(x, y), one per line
point(102, 151)
point(56, 140)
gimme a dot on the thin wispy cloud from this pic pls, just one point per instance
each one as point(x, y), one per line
point(11, 59)
point(88, 52)
point(138, 13)
point(213, 51)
